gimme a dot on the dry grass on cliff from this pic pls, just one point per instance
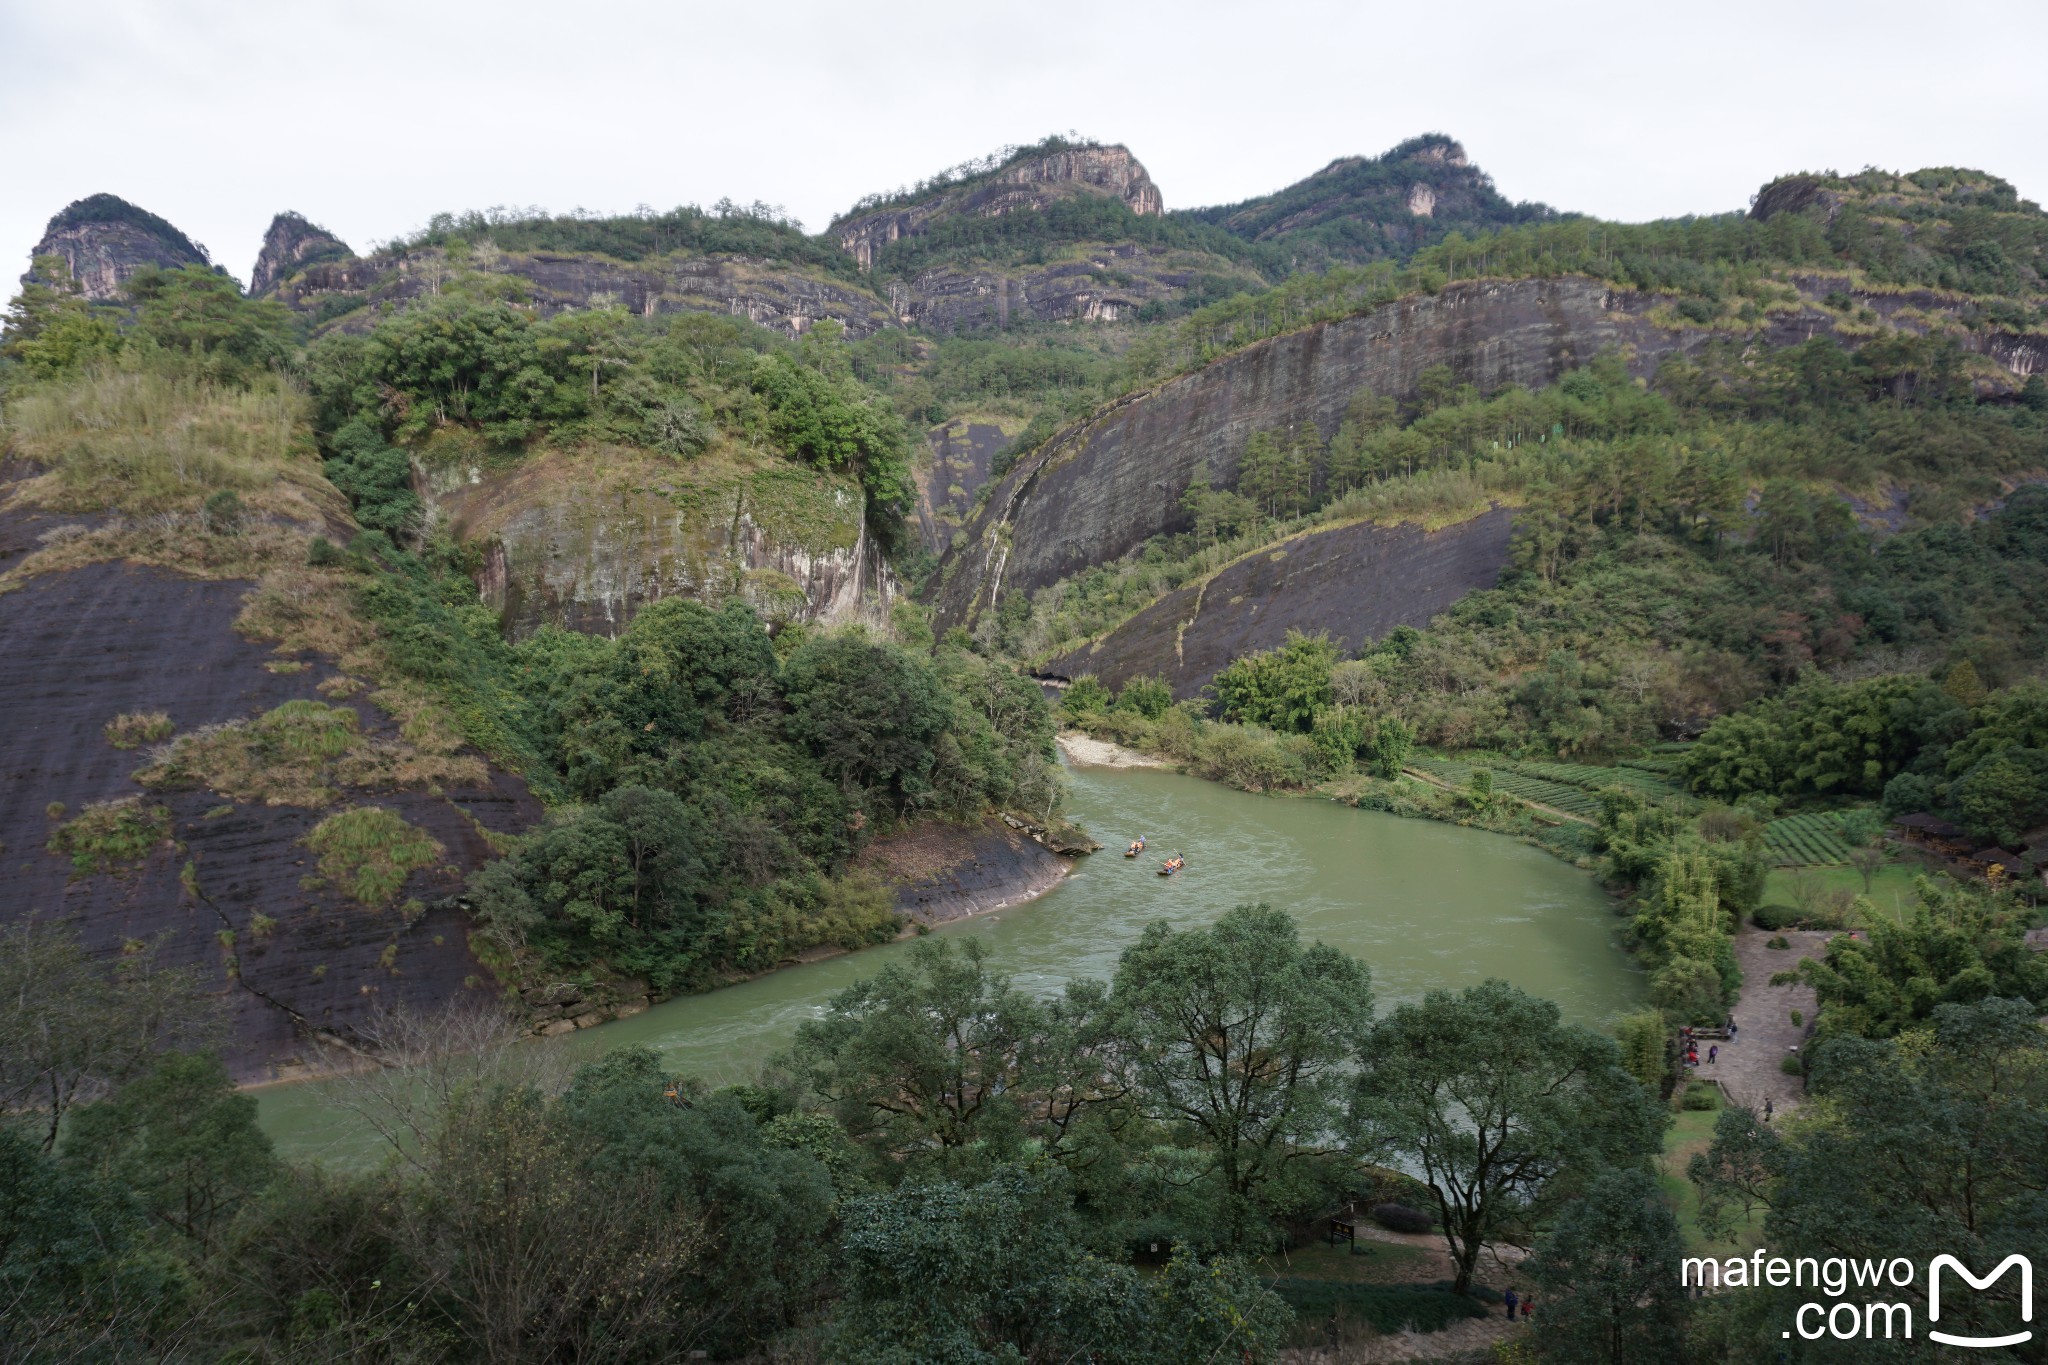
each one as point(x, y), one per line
point(152, 439)
point(306, 753)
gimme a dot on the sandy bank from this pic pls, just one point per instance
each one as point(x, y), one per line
point(1083, 752)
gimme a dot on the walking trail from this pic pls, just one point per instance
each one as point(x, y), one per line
point(1749, 1067)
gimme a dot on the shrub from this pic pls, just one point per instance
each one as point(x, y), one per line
point(1702, 1098)
point(1777, 941)
point(1401, 1218)
point(1826, 914)
point(1149, 697)
point(1326, 1309)
point(136, 728)
point(223, 513)
point(1085, 696)
point(1791, 1064)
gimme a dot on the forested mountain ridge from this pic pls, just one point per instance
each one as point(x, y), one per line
point(1359, 209)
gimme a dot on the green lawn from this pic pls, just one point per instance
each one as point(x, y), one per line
point(1692, 1131)
point(1891, 886)
point(1375, 1263)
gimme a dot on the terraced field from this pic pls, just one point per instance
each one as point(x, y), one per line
point(1572, 800)
point(1806, 840)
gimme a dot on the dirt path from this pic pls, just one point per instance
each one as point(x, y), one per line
point(1749, 1067)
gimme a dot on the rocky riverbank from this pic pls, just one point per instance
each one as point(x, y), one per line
point(942, 872)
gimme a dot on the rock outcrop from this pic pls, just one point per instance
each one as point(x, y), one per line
point(353, 294)
point(1105, 485)
point(104, 240)
point(1028, 182)
point(290, 246)
point(584, 540)
point(939, 871)
point(1354, 582)
point(1100, 282)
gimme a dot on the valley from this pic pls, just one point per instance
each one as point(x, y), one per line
point(548, 808)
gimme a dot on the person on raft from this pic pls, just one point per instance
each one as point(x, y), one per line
point(1174, 864)
point(1137, 847)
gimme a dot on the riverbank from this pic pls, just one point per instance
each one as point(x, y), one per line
point(939, 872)
point(1085, 751)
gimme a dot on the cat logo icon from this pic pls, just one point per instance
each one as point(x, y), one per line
point(2026, 1269)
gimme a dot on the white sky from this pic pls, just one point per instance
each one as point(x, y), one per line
point(370, 115)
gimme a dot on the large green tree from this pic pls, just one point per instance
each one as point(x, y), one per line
point(1239, 1035)
point(1502, 1106)
point(1609, 1270)
point(994, 1272)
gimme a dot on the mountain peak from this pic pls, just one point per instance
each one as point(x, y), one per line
point(104, 240)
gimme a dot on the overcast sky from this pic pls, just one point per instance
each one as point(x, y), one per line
point(370, 115)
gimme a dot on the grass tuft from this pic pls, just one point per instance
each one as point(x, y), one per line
point(369, 852)
point(109, 835)
point(136, 728)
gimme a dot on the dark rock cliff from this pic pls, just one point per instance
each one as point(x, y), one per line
point(1104, 486)
point(105, 239)
point(961, 460)
point(290, 246)
point(1107, 484)
point(1027, 183)
point(1355, 582)
point(107, 639)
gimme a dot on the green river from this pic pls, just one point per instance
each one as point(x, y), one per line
point(1425, 904)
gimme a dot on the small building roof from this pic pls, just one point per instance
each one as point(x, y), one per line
point(1998, 857)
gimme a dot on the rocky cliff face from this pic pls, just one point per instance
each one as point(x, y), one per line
point(290, 246)
point(1102, 282)
point(1354, 582)
point(353, 294)
point(1107, 484)
point(232, 888)
point(962, 455)
point(105, 239)
point(1028, 183)
point(585, 540)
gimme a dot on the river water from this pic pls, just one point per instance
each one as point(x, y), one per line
point(1425, 904)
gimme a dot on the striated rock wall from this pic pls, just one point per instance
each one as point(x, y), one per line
point(1355, 582)
point(1104, 282)
point(962, 455)
point(107, 639)
point(1027, 184)
point(1107, 484)
point(1110, 482)
point(584, 540)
